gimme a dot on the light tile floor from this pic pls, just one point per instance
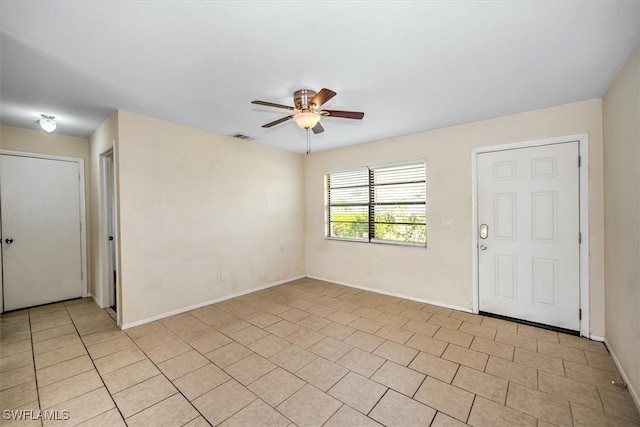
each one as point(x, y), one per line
point(304, 353)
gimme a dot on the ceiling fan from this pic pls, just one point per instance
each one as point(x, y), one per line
point(307, 114)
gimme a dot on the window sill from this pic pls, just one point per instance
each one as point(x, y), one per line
point(379, 242)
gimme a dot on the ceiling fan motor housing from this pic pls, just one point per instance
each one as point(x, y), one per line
point(306, 112)
point(302, 99)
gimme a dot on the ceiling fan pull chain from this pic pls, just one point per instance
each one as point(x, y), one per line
point(308, 141)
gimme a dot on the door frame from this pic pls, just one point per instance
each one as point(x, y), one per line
point(583, 192)
point(107, 214)
point(83, 215)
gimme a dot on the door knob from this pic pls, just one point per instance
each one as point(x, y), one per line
point(483, 247)
point(8, 241)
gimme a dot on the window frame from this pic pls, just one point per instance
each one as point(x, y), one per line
point(372, 204)
point(328, 206)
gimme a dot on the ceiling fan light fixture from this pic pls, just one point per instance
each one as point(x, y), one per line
point(306, 120)
point(47, 123)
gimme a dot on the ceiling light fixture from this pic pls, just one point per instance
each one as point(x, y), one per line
point(306, 120)
point(47, 123)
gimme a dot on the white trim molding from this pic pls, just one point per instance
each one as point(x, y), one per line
point(583, 144)
point(392, 294)
point(209, 302)
point(104, 275)
point(633, 392)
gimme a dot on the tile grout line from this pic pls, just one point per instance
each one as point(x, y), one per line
point(33, 356)
point(295, 375)
point(95, 368)
point(231, 378)
point(349, 370)
point(509, 383)
point(161, 373)
point(571, 410)
point(466, 421)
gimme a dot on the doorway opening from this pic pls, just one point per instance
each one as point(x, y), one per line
point(108, 232)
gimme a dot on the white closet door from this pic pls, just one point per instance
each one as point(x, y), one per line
point(41, 236)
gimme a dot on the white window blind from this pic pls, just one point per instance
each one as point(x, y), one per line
point(399, 204)
point(348, 204)
point(384, 204)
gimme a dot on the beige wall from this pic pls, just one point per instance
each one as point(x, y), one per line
point(442, 273)
point(37, 141)
point(194, 204)
point(53, 144)
point(100, 142)
point(621, 117)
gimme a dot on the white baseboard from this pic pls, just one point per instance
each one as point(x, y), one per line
point(393, 294)
point(596, 338)
point(93, 297)
point(97, 299)
point(625, 378)
point(205, 303)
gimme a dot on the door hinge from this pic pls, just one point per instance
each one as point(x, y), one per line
point(579, 161)
point(81, 275)
point(79, 178)
point(579, 314)
point(579, 237)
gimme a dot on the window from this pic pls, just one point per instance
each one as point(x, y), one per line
point(348, 202)
point(385, 204)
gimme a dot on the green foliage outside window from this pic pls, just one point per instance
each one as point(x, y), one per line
point(350, 225)
point(386, 229)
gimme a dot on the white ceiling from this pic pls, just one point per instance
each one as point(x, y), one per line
point(409, 65)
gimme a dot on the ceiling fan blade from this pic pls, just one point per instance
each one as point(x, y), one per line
point(317, 128)
point(343, 114)
point(321, 97)
point(277, 122)
point(271, 104)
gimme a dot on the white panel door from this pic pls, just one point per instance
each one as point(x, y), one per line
point(41, 240)
point(529, 265)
